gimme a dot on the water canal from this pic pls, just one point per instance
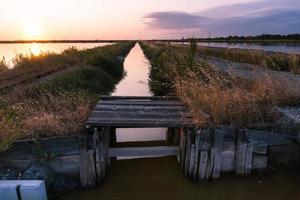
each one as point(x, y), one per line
point(161, 178)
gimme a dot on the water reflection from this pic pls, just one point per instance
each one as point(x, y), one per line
point(276, 47)
point(136, 84)
point(161, 179)
point(9, 51)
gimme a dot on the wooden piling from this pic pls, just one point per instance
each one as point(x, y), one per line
point(91, 171)
point(241, 151)
point(248, 161)
point(187, 152)
point(83, 162)
point(217, 158)
point(96, 145)
point(182, 149)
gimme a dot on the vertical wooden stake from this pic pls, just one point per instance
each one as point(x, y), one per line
point(91, 171)
point(187, 152)
point(217, 145)
point(83, 161)
point(96, 144)
point(248, 161)
point(182, 148)
point(241, 148)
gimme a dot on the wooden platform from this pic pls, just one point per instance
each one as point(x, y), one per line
point(138, 111)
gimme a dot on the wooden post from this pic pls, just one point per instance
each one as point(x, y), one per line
point(192, 161)
point(96, 144)
point(187, 152)
point(91, 171)
point(112, 141)
point(197, 146)
point(102, 161)
point(113, 136)
point(217, 145)
point(241, 149)
point(182, 148)
point(248, 162)
point(83, 162)
point(204, 169)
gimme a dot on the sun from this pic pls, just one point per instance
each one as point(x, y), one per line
point(32, 30)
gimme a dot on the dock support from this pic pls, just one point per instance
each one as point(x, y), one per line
point(83, 160)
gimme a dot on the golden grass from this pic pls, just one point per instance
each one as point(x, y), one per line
point(270, 60)
point(55, 115)
point(221, 99)
point(217, 98)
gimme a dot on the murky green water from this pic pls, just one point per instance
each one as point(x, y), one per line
point(161, 178)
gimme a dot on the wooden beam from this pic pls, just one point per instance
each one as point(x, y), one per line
point(139, 108)
point(143, 103)
point(107, 97)
point(144, 151)
point(116, 122)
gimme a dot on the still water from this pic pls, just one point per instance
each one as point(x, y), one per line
point(276, 47)
point(9, 51)
point(160, 178)
point(135, 83)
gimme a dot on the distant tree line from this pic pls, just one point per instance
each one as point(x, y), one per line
point(261, 37)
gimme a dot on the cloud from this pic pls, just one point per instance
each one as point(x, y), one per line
point(268, 16)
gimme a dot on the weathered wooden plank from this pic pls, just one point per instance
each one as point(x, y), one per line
point(228, 161)
point(268, 138)
point(259, 162)
point(68, 165)
point(83, 161)
point(187, 152)
point(203, 162)
point(139, 115)
point(210, 163)
point(97, 154)
point(241, 149)
point(182, 148)
point(248, 159)
point(260, 148)
point(192, 162)
point(106, 97)
point(204, 146)
point(91, 171)
point(136, 123)
point(144, 103)
point(197, 155)
point(217, 145)
point(140, 108)
point(144, 151)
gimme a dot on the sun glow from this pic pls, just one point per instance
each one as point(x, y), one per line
point(32, 30)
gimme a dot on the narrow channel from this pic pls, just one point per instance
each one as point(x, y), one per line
point(135, 83)
point(160, 178)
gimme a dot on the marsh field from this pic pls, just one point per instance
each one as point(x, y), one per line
point(48, 90)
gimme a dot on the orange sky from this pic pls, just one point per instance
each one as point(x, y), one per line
point(90, 19)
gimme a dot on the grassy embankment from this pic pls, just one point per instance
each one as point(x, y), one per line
point(213, 97)
point(60, 105)
point(270, 60)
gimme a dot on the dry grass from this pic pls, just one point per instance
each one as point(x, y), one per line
point(10, 126)
point(217, 98)
point(54, 115)
point(270, 60)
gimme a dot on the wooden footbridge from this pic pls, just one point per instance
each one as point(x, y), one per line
point(202, 153)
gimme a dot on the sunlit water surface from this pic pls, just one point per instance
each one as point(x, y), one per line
point(161, 179)
point(9, 51)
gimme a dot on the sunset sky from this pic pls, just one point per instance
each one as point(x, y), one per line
point(145, 19)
